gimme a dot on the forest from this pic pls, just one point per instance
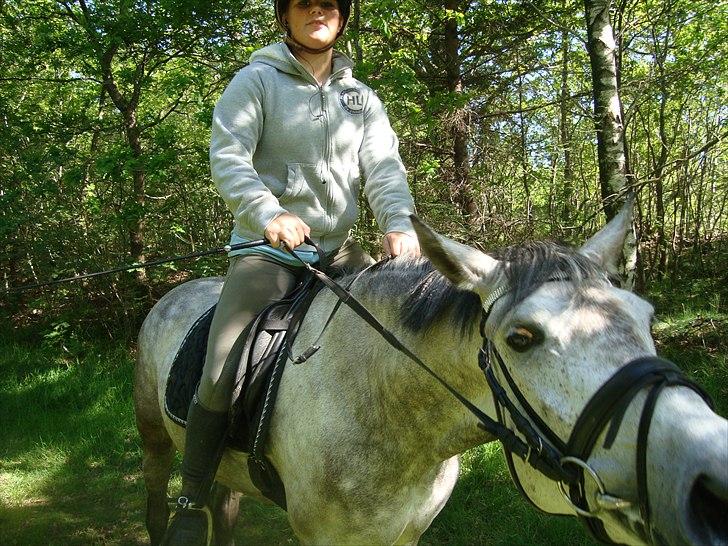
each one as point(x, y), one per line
point(518, 120)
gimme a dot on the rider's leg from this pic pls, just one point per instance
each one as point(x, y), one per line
point(251, 284)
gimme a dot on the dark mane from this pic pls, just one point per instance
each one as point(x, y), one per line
point(430, 297)
point(530, 265)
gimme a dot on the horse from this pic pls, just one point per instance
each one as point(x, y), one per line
point(366, 442)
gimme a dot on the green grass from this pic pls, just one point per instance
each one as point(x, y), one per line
point(697, 341)
point(70, 456)
point(69, 459)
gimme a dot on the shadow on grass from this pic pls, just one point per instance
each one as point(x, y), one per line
point(485, 508)
point(69, 461)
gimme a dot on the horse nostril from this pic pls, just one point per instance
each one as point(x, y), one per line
point(707, 512)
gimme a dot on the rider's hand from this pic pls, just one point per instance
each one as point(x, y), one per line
point(286, 228)
point(397, 243)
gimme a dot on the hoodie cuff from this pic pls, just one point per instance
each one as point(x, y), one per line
point(402, 224)
point(264, 216)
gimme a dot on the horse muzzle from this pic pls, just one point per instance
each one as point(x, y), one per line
point(688, 478)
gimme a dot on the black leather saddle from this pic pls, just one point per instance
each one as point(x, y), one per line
point(261, 352)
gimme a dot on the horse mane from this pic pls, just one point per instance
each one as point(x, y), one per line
point(429, 297)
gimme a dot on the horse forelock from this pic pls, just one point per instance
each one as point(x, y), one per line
point(426, 297)
point(526, 267)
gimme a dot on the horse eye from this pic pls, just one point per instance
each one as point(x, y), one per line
point(522, 339)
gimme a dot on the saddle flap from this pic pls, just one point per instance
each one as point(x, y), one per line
point(272, 332)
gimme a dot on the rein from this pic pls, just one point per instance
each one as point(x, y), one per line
point(541, 448)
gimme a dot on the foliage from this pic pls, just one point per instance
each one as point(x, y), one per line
point(105, 111)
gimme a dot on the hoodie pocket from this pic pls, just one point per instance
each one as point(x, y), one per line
point(294, 181)
point(305, 195)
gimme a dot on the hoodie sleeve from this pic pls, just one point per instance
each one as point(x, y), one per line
point(385, 177)
point(237, 125)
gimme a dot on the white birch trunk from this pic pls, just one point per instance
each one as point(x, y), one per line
point(608, 118)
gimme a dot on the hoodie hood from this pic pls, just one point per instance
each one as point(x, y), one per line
point(280, 57)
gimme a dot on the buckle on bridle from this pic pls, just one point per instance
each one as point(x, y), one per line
point(539, 450)
point(483, 358)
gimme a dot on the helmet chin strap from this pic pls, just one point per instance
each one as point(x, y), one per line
point(291, 41)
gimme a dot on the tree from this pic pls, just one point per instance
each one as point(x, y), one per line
point(607, 105)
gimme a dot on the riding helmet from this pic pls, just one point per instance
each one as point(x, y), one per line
point(282, 6)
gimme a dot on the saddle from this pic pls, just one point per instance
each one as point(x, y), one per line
point(260, 354)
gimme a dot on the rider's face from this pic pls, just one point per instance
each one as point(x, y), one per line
point(314, 23)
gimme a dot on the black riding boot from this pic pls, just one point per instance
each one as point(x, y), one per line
point(192, 522)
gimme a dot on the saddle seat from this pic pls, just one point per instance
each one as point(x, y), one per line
point(260, 354)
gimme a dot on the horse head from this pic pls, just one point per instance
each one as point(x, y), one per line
point(608, 431)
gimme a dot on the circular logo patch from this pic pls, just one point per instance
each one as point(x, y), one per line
point(352, 100)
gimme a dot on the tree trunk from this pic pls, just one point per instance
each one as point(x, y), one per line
point(564, 136)
point(607, 109)
point(608, 121)
point(459, 118)
point(136, 222)
point(524, 146)
point(356, 24)
point(128, 109)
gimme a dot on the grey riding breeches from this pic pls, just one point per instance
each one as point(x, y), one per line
point(252, 282)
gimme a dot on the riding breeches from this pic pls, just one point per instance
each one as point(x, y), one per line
point(253, 282)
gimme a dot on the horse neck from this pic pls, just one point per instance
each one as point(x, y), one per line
point(397, 395)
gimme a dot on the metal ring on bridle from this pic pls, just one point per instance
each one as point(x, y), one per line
point(590, 471)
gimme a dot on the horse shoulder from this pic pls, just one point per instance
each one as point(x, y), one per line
point(333, 442)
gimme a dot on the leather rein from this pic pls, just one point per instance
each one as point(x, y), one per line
point(533, 440)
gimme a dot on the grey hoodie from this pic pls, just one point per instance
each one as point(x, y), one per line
point(282, 143)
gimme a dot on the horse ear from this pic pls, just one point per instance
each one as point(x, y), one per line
point(605, 247)
point(464, 266)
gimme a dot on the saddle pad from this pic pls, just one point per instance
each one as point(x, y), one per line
point(254, 357)
point(184, 376)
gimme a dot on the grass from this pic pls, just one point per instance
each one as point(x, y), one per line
point(70, 456)
point(69, 460)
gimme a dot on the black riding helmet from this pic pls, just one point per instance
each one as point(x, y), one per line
point(282, 6)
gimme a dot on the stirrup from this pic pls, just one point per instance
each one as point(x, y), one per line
point(183, 504)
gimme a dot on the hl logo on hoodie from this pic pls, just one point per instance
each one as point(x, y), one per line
point(352, 100)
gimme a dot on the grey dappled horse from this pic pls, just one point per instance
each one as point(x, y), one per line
point(367, 443)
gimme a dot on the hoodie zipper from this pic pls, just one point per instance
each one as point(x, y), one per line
point(327, 159)
point(326, 150)
point(327, 156)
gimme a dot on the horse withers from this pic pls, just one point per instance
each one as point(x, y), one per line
point(366, 443)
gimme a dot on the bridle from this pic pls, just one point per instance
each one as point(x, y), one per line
point(533, 441)
point(606, 408)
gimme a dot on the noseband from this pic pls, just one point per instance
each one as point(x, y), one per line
point(606, 408)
